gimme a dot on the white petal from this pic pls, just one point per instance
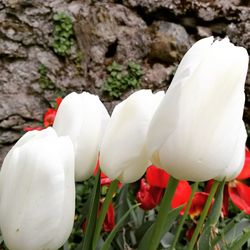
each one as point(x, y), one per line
point(37, 195)
point(84, 118)
point(122, 153)
point(194, 130)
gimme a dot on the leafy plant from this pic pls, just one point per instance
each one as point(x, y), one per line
point(63, 34)
point(44, 81)
point(119, 79)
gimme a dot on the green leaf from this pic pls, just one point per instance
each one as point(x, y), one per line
point(117, 227)
point(122, 204)
point(235, 233)
point(108, 200)
point(204, 242)
point(241, 241)
point(92, 214)
point(168, 221)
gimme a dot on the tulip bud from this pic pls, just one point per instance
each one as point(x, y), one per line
point(37, 192)
point(123, 155)
point(197, 131)
point(83, 118)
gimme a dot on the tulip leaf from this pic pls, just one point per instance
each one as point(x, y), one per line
point(168, 221)
point(111, 191)
point(204, 242)
point(122, 204)
point(241, 241)
point(237, 233)
point(92, 214)
point(228, 227)
point(111, 236)
point(140, 232)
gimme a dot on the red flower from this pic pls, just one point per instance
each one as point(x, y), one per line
point(198, 204)
point(157, 177)
point(152, 189)
point(149, 196)
point(49, 117)
point(58, 102)
point(50, 114)
point(109, 221)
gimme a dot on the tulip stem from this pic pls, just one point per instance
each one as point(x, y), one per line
point(203, 215)
point(165, 207)
point(111, 191)
point(183, 218)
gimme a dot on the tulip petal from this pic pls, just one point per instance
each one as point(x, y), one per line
point(239, 194)
point(237, 158)
point(195, 129)
point(157, 177)
point(37, 192)
point(123, 155)
point(182, 194)
point(83, 118)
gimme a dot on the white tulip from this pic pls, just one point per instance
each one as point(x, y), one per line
point(83, 118)
point(37, 192)
point(197, 132)
point(123, 155)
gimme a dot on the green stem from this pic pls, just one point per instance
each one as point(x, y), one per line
point(111, 191)
point(165, 207)
point(203, 215)
point(183, 218)
point(92, 213)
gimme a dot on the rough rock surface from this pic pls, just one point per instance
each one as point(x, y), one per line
point(152, 33)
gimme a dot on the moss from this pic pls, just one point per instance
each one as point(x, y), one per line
point(121, 79)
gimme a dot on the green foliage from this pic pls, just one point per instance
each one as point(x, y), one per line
point(119, 79)
point(44, 81)
point(63, 34)
point(83, 190)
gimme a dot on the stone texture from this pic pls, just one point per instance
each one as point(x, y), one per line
point(169, 42)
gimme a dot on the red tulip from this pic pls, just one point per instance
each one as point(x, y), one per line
point(49, 117)
point(152, 189)
point(149, 196)
point(109, 221)
point(198, 204)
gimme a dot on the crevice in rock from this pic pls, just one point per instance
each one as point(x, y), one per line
point(111, 51)
point(190, 20)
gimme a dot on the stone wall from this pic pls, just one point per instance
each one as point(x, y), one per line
point(152, 33)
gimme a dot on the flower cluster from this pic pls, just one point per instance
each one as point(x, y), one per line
point(192, 133)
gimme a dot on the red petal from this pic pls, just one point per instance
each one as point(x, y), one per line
point(149, 196)
point(58, 101)
point(225, 204)
point(182, 194)
point(240, 195)
point(198, 204)
point(157, 177)
point(49, 117)
point(208, 186)
point(245, 172)
point(109, 221)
